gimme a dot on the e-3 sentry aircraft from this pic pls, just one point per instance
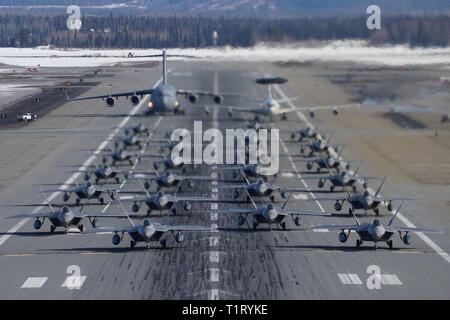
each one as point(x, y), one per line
point(163, 97)
point(375, 231)
point(270, 214)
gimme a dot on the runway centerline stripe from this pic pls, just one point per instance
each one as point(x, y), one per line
point(84, 166)
point(401, 217)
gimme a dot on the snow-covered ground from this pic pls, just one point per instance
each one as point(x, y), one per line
point(348, 50)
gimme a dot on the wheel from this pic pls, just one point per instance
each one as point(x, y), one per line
point(283, 225)
point(358, 243)
point(102, 201)
point(377, 212)
point(163, 243)
point(132, 244)
point(149, 211)
point(77, 201)
point(255, 224)
point(350, 211)
point(81, 228)
point(52, 228)
point(331, 188)
point(118, 180)
point(174, 211)
point(272, 198)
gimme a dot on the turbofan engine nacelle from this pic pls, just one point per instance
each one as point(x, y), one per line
point(407, 239)
point(218, 99)
point(342, 237)
point(109, 102)
point(115, 239)
point(134, 100)
point(298, 221)
point(193, 98)
point(179, 237)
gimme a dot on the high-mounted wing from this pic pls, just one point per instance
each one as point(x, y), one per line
point(115, 95)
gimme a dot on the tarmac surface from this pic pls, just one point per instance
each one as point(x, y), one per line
point(235, 262)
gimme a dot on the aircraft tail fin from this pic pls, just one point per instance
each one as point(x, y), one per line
point(357, 168)
point(395, 215)
point(379, 188)
point(250, 197)
point(48, 201)
point(354, 216)
point(286, 202)
point(126, 213)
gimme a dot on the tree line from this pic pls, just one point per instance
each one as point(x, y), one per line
point(18, 30)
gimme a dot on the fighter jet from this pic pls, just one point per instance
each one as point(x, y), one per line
point(163, 97)
point(138, 129)
point(167, 179)
point(148, 232)
point(122, 155)
point(159, 201)
point(307, 133)
point(375, 231)
point(318, 146)
point(103, 173)
point(260, 188)
point(65, 218)
point(343, 179)
point(270, 214)
point(88, 191)
point(250, 170)
point(329, 162)
point(130, 141)
point(364, 201)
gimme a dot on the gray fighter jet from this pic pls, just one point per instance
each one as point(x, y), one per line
point(270, 214)
point(167, 179)
point(329, 162)
point(250, 170)
point(138, 130)
point(364, 201)
point(159, 201)
point(307, 133)
point(131, 141)
point(163, 97)
point(121, 155)
point(65, 218)
point(88, 191)
point(375, 231)
point(260, 188)
point(148, 232)
point(103, 173)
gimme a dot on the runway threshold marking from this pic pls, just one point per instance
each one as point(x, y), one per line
point(349, 278)
point(401, 217)
point(34, 282)
point(83, 167)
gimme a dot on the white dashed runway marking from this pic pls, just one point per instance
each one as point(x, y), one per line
point(34, 282)
point(349, 278)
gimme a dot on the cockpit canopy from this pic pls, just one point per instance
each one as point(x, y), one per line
point(89, 184)
point(270, 206)
point(376, 222)
point(160, 194)
point(366, 193)
point(146, 222)
point(260, 182)
point(65, 209)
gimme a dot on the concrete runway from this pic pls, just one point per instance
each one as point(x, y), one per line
point(233, 263)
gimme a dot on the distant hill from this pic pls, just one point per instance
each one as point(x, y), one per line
point(232, 7)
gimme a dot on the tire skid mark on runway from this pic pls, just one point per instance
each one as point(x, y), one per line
point(83, 167)
point(401, 217)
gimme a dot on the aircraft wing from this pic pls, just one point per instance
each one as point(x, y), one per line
point(235, 186)
point(235, 211)
point(191, 199)
point(121, 94)
point(100, 214)
point(195, 177)
point(30, 215)
point(107, 230)
point(327, 199)
point(129, 199)
point(306, 213)
point(332, 107)
point(58, 190)
point(212, 94)
point(406, 229)
point(289, 188)
point(339, 227)
point(393, 199)
point(188, 228)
